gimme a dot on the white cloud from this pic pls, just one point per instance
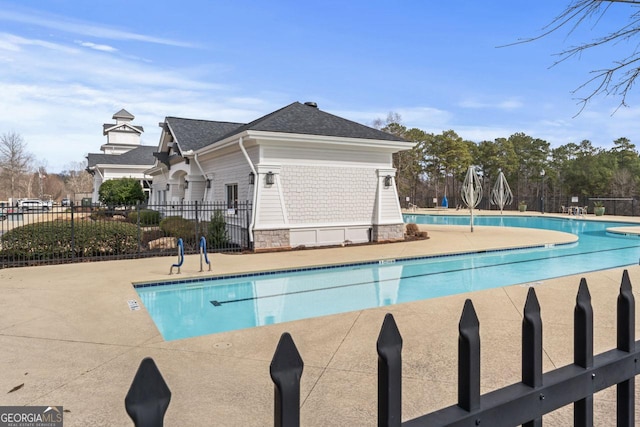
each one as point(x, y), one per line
point(15, 43)
point(100, 47)
point(506, 104)
point(57, 97)
point(92, 29)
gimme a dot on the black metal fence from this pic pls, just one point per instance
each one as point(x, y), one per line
point(523, 403)
point(92, 232)
point(624, 206)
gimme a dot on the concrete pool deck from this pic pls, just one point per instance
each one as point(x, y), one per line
point(69, 338)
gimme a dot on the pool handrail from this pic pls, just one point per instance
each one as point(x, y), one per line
point(203, 251)
point(180, 257)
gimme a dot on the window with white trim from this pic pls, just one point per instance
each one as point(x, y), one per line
point(232, 196)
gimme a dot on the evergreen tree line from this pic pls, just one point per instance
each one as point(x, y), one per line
point(536, 173)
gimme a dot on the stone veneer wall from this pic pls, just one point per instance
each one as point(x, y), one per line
point(271, 239)
point(382, 233)
point(280, 239)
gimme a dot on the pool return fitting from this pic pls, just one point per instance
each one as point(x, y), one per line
point(203, 251)
point(180, 257)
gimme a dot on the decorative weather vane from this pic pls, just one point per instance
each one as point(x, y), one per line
point(471, 191)
point(501, 194)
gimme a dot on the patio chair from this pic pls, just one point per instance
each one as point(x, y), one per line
point(564, 209)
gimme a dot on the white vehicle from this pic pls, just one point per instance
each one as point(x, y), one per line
point(33, 205)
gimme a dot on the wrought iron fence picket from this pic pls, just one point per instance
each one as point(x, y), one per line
point(469, 359)
point(389, 348)
point(532, 347)
point(583, 350)
point(286, 370)
point(626, 342)
point(148, 397)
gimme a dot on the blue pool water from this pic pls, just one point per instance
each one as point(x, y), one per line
point(201, 307)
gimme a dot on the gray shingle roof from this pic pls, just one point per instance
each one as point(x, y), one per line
point(194, 134)
point(123, 114)
point(294, 118)
point(308, 120)
point(142, 155)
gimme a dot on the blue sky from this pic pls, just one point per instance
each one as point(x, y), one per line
point(66, 66)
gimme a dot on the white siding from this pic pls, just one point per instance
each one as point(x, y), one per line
point(316, 194)
point(269, 211)
point(330, 194)
point(389, 209)
point(115, 137)
point(196, 191)
point(123, 173)
point(325, 156)
point(231, 168)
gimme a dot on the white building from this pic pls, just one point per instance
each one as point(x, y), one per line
point(312, 178)
point(123, 156)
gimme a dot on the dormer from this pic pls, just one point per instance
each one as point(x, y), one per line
point(123, 116)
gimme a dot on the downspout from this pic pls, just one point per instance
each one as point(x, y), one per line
point(99, 173)
point(255, 193)
point(195, 159)
point(101, 178)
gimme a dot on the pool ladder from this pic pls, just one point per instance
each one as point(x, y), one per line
point(180, 257)
point(203, 251)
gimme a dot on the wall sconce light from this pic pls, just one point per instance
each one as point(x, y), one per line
point(208, 183)
point(387, 181)
point(186, 184)
point(269, 178)
point(252, 178)
point(168, 186)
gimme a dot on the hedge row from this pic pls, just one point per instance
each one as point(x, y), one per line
point(148, 217)
point(50, 239)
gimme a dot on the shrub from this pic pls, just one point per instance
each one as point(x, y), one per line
point(176, 226)
point(47, 240)
point(217, 233)
point(100, 214)
point(148, 217)
point(121, 191)
point(412, 229)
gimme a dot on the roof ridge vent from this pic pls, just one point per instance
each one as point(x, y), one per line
point(311, 104)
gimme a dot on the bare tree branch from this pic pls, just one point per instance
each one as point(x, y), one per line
point(15, 163)
point(616, 80)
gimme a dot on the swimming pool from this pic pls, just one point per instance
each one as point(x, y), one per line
point(200, 307)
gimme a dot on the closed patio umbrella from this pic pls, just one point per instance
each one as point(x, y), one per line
point(501, 194)
point(471, 191)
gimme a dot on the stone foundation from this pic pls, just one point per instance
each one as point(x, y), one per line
point(387, 233)
point(271, 239)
